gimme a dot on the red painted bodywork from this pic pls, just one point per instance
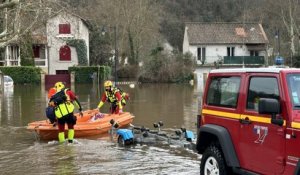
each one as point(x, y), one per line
point(280, 151)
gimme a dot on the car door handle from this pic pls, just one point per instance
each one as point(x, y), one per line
point(246, 121)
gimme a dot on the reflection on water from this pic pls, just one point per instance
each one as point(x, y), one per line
point(6, 102)
point(175, 105)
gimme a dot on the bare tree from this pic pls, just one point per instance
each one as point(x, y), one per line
point(137, 24)
point(141, 25)
point(289, 14)
point(20, 17)
point(16, 17)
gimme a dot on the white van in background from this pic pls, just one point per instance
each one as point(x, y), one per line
point(8, 81)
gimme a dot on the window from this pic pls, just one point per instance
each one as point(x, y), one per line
point(230, 51)
point(64, 28)
point(223, 91)
point(253, 53)
point(294, 89)
point(65, 53)
point(261, 87)
point(201, 54)
point(61, 72)
point(2, 56)
point(36, 51)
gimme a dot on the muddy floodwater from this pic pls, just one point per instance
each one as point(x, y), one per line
point(22, 153)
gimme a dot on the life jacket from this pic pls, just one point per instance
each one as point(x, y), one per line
point(63, 104)
point(110, 95)
point(125, 97)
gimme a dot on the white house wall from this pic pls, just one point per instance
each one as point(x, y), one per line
point(56, 64)
point(84, 34)
point(214, 52)
point(201, 74)
point(78, 31)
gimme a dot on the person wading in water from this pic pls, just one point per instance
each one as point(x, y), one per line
point(63, 101)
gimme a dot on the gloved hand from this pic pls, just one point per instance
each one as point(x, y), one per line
point(80, 112)
point(51, 103)
point(120, 111)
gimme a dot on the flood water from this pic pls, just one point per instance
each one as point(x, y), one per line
point(21, 153)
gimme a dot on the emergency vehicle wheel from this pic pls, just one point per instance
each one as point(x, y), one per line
point(212, 162)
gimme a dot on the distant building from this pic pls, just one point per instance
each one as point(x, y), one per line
point(50, 49)
point(226, 42)
point(221, 45)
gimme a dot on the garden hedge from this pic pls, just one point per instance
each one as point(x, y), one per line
point(32, 75)
point(23, 74)
point(85, 74)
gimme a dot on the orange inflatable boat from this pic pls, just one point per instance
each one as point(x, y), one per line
point(91, 124)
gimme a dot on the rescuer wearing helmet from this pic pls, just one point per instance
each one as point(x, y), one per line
point(113, 95)
point(63, 101)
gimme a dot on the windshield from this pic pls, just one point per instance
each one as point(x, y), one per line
point(294, 89)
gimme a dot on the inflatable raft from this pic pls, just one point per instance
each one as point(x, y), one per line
point(91, 124)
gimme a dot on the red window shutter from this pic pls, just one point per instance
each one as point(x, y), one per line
point(65, 53)
point(64, 28)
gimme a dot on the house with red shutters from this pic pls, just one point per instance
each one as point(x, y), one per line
point(50, 44)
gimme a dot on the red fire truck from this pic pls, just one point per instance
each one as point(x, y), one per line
point(250, 122)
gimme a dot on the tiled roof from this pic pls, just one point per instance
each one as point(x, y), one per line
point(226, 33)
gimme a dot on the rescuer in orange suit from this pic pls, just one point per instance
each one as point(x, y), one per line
point(115, 96)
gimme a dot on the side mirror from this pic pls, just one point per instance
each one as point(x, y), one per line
point(270, 106)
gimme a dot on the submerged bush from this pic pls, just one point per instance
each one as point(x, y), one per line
point(167, 67)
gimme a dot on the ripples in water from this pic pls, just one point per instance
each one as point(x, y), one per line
point(101, 156)
point(21, 153)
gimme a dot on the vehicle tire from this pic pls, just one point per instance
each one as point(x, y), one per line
point(121, 140)
point(213, 162)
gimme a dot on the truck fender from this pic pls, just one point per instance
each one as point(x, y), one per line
point(225, 141)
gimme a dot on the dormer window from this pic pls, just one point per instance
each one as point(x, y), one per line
point(64, 29)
